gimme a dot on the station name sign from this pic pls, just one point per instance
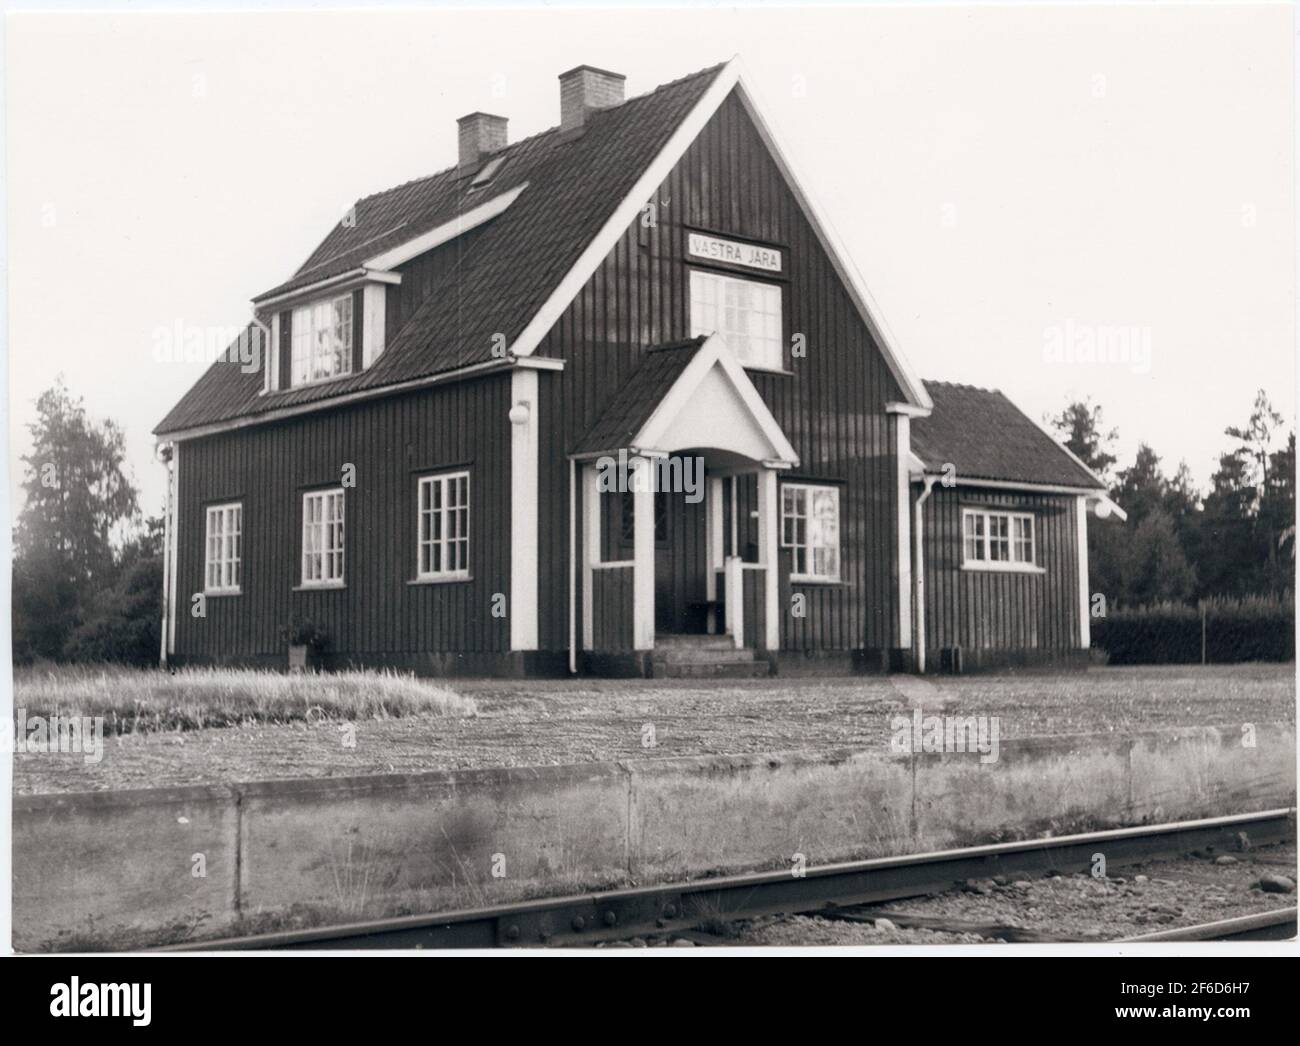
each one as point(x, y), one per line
point(716, 249)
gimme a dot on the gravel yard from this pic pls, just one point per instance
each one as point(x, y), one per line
point(1138, 899)
point(528, 723)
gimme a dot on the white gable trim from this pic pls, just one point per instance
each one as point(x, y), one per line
point(449, 230)
point(376, 269)
point(605, 240)
point(687, 131)
point(340, 284)
point(655, 432)
point(867, 308)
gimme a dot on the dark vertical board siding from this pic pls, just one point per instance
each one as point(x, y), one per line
point(389, 440)
point(991, 610)
point(832, 408)
point(612, 610)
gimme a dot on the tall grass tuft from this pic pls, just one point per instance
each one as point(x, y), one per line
point(132, 699)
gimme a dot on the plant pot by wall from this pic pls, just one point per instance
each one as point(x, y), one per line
point(302, 658)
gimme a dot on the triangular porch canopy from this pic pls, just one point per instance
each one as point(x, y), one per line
point(690, 395)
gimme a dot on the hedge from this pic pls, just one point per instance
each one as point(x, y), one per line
point(1254, 629)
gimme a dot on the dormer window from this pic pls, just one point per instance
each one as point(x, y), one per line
point(322, 340)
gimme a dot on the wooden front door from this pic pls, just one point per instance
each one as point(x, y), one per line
point(681, 558)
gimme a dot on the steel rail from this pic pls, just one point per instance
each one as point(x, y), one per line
point(1279, 925)
point(623, 913)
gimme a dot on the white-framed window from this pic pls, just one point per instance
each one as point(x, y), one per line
point(322, 340)
point(224, 552)
point(994, 540)
point(810, 528)
point(443, 527)
point(746, 313)
point(322, 538)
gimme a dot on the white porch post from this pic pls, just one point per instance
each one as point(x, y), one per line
point(768, 555)
point(643, 558)
point(716, 548)
point(734, 578)
point(590, 551)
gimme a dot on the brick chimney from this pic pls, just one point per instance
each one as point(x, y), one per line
point(584, 89)
point(480, 135)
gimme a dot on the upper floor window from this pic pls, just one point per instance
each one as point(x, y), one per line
point(746, 313)
point(224, 555)
point(810, 528)
point(322, 340)
point(322, 538)
point(997, 540)
point(443, 544)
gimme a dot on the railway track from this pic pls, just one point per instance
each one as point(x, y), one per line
point(620, 914)
point(1265, 926)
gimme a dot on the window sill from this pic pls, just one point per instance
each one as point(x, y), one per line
point(1004, 568)
point(450, 579)
point(326, 586)
point(311, 384)
point(819, 582)
point(215, 592)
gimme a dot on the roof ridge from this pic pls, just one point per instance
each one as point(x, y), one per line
point(540, 134)
point(962, 385)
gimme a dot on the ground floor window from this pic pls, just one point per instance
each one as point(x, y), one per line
point(322, 538)
point(810, 528)
point(443, 542)
point(997, 540)
point(224, 556)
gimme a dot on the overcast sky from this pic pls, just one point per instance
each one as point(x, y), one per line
point(1011, 182)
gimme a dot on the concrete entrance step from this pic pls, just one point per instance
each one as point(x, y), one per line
point(684, 655)
point(711, 670)
point(679, 656)
point(692, 641)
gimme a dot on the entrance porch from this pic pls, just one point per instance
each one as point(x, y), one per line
point(679, 520)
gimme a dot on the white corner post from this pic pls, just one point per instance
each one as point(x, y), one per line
point(643, 556)
point(902, 425)
point(716, 549)
point(1081, 542)
point(768, 554)
point(918, 575)
point(523, 509)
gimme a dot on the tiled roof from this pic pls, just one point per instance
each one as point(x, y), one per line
point(986, 436)
point(640, 394)
point(508, 268)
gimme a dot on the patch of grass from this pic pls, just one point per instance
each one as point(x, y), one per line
point(145, 700)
